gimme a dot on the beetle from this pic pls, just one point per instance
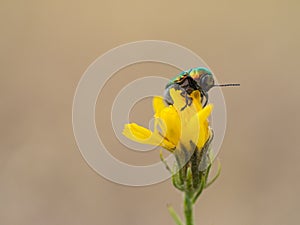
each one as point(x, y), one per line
point(199, 78)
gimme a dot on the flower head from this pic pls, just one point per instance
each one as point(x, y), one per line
point(175, 128)
point(183, 130)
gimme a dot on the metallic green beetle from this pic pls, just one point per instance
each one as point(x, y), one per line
point(199, 78)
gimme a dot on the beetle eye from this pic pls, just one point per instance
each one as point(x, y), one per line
point(207, 82)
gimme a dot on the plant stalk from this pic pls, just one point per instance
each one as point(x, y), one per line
point(188, 208)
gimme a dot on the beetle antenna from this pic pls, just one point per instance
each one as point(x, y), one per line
point(226, 85)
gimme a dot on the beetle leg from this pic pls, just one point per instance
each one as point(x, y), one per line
point(194, 86)
point(188, 100)
point(204, 93)
point(183, 93)
point(167, 96)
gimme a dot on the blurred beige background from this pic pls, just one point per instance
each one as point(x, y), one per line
point(47, 45)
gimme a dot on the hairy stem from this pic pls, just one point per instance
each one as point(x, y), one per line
point(188, 209)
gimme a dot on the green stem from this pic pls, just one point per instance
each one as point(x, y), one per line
point(188, 209)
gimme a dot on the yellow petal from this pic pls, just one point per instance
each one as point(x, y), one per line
point(143, 135)
point(158, 105)
point(204, 130)
point(137, 131)
point(205, 112)
point(196, 96)
point(178, 99)
point(172, 126)
point(190, 132)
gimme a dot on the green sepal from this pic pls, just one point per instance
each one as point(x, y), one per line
point(164, 161)
point(189, 181)
point(174, 215)
point(215, 177)
point(177, 181)
point(200, 189)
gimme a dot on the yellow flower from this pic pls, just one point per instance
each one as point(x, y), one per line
point(173, 127)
